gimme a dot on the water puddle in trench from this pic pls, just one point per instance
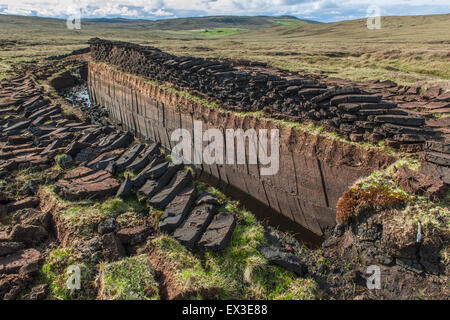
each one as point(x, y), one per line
point(78, 96)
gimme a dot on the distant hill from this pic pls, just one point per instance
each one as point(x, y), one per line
point(393, 28)
point(241, 22)
point(196, 23)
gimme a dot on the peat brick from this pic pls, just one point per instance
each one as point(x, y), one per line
point(133, 236)
point(152, 187)
point(196, 223)
point(153, 171)
point(125, 188)
point(218, 233)
point(401, 120)
point(28, 234)
point(176, 211)
point(206, 198)
point(144, 158)
point(19, 260)
point(113, 250)
point(30, 202)
point(283, 259)
point(121, 142)
point(128, 157)
point(169, 192)
point(438, 146)
point(438, 158)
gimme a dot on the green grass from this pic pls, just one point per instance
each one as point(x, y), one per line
point(289, 22)
point(128, 279)
point(54, 272)
point(4, 68)
point(241, 272)
point(219, 32)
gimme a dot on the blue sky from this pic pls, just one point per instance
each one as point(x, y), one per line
point(320, 10)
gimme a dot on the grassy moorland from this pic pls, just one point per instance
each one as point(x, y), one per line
point(26, 38)
point(406, 49)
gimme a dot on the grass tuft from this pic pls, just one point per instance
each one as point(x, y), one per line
point(55, 273)
point(129, 279)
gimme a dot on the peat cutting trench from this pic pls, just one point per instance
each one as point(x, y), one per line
point(79, 96)
point(357, 164)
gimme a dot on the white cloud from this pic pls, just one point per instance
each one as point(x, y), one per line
point(322, 10)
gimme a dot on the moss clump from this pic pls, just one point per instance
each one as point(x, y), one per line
point(375, 192)
point(428, 214)
point(55, 272)
point(187, 276)
point(129, 279)
point(417, 209)
point(357, 200)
